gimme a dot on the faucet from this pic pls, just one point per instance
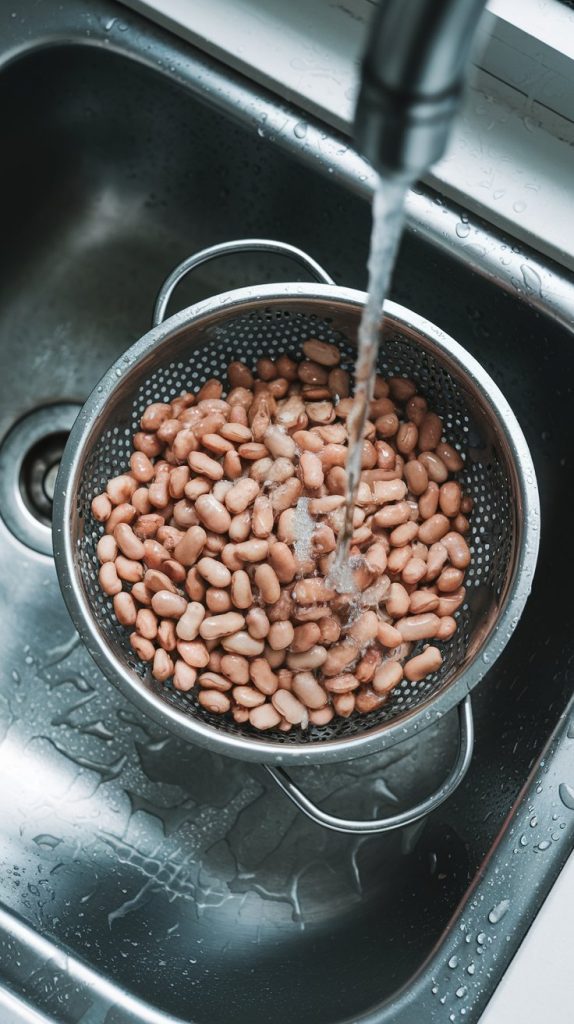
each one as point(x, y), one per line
point(412, 78)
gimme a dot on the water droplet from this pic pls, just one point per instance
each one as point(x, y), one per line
point(470, 969)
point(453, 962)
point(434, 990)
point(460, 992)
point(523, 840)
point(498, 912)
point(486, 657)
point(16, 676)
point(531, 278)
point(462, 229)
point(519, 206)
point(566, 794)
point(300, 129)
point(110, 24)
point(481, 938)
point(543, 845)
point(498, 193)
point(533, 821)
point(45, 839)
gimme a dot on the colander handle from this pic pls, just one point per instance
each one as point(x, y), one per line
point(420, 810)
point(226, 249)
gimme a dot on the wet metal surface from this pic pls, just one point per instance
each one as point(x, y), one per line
point(184, 883)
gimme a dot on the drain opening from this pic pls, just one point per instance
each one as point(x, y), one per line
point(30, 456)
point(38, 475)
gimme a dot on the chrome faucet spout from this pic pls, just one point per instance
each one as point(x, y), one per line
point(412, 77)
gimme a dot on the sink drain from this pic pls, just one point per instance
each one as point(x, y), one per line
point(29, 462)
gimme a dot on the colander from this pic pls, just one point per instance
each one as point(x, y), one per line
point(197, 343)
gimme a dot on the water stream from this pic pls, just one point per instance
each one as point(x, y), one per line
point(388, 215)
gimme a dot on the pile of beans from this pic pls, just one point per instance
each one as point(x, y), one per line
point(218, 541)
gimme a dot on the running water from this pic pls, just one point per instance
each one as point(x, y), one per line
point(388, 212)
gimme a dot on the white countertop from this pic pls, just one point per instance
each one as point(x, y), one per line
point(539, 984)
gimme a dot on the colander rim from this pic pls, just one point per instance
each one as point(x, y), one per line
point(265, 750)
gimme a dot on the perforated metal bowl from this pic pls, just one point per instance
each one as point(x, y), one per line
point(198, 343)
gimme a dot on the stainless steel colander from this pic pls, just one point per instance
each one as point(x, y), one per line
point(180, 354)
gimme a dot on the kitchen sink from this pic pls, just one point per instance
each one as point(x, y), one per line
point(142, 879)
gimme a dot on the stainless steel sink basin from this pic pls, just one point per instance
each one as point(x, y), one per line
point(142, 880)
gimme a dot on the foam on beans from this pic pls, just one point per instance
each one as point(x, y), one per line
point(200, 555)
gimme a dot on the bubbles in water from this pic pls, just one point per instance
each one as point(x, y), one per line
point(498, 912)
point(304, 525)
